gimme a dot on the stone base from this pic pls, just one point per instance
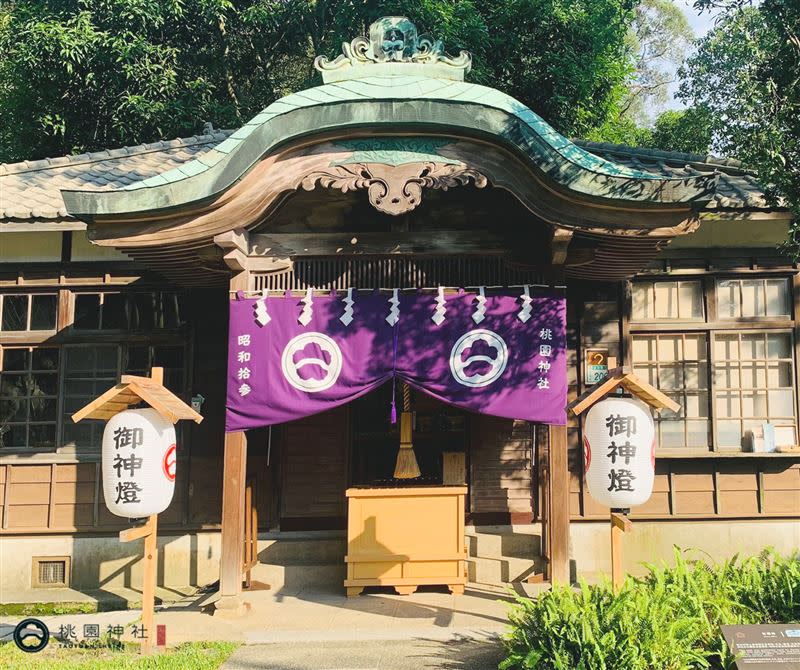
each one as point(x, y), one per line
point(231, 607)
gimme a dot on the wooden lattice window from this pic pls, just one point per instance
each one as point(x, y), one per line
point(21, 312)
point(28, 397)
point(667, 300)
point(757, 297)
point(677, 364)
point(753, 383)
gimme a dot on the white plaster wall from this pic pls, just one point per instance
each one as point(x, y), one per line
point(104, 562)
point(653, 542)
point(193, 559)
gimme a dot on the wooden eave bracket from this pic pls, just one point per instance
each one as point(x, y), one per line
point(238, 238)
point(559, 245)
point(131, 391)
point(622, 377)
point(239, 255)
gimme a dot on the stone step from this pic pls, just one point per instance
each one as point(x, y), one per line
point(496, 571)
point(299, 576)
point(502, 541)
point(302, 550)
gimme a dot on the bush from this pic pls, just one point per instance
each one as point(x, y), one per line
point(668, 620)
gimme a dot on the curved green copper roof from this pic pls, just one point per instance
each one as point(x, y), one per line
point(394, 102)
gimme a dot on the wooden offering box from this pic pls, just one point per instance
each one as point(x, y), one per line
point(405, 537)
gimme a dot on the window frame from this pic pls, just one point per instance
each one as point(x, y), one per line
point(65, 336)
point(761, 278)
point(58, 398)
point(28, 331)
point(683, 391)
point(711, 325)
point(130, 305)
point(652, 281)
point(713, 388)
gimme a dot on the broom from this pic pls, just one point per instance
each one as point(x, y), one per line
point(406, 466)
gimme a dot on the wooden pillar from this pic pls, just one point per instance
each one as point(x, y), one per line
point(234, 475)
point(558, 505)
point(233, 503)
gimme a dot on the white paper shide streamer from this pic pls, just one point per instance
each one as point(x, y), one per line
point(261, 314)
point(308, 309)
point(347, 317)
point(439, 312)
point(394, 312)
point(138, 463)
point(480, 310)
point(619, 448)
point(525, 313)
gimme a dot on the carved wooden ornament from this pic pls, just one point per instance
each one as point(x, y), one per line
point(393, 189)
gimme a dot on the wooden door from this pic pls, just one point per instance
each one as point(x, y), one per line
point(501, 482)
point(314, 471)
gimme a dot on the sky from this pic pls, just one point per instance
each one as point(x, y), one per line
point(701, 24)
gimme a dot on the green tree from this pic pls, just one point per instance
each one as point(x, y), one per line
point(686, 130)
point(81, 75)
point(660, 38)
point(746, 73)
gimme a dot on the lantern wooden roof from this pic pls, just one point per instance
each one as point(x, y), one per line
point(622, 377)
point(133, 390)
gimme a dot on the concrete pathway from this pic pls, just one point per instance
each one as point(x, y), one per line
point(318, 616)
point(467, 653)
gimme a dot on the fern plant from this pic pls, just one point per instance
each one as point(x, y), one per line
point(667, 620)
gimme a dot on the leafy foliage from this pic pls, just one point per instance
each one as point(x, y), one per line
point(668, 620)
point(660, 37)
point(686, 130)
point(746, 73)
point(79, 75)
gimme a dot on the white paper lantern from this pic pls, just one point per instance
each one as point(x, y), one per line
point(619, 450)
point(138, 463)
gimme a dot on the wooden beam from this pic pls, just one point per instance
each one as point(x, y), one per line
point(620, 524)
point(240, 281)
point(137, 532)
point(233, 505)
point(372, 243)
point(239, 261)
point(558, 507)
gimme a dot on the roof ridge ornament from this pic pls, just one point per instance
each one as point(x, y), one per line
point(393, 47)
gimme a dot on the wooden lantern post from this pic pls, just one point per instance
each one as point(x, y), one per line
point(131, 391)
point(621, 378)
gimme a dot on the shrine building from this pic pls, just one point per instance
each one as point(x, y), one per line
point(381, 293)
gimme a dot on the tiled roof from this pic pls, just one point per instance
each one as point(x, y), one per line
point(737, 187)
point(382, 101)
point(31, 190)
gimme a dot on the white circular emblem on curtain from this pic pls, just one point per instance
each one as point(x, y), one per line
point(331, 367)
point(497, 364)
